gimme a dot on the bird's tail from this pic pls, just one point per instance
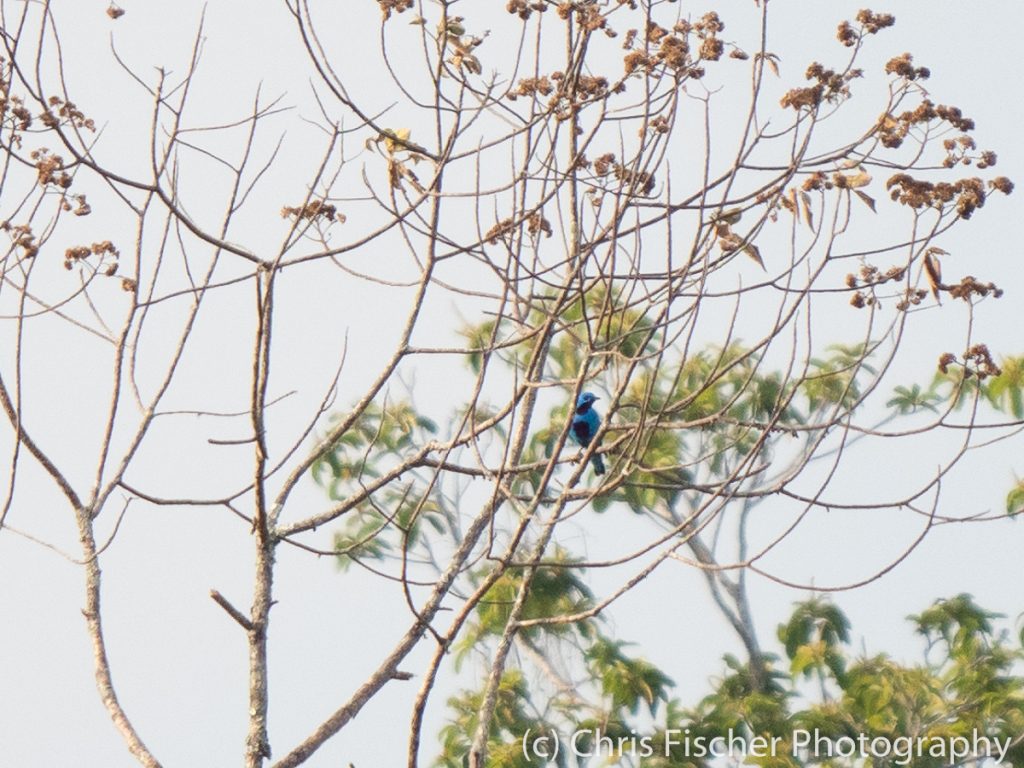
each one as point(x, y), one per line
point(598, 461)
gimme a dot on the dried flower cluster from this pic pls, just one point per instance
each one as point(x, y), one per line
point(978, 362)
point(911, 298)
point(892, 129)
point(499, 231)
point(820, 180)
point(635, 181)
point(531, 86)
point(15, 106)
point(604, 164)
point(671, 49)
point(566, 95)
point(831, 86)
point(587, 14)
point(967, 194)
point(659, 124)
point(870, 23)
point(970, 286)
point(22, 237)
point(946, 359)
point(50, 168)
point(1001, 184)
point(536, 224)
point(869, 276)
point(524, 9)
point(314, 209)
point(398, 6)
point(587, 88)
point(82, 207)
point(903, 66)
point(958, 152)
point(65, 112)
point(81, 252)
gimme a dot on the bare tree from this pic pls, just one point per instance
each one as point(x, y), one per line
point(613, 196)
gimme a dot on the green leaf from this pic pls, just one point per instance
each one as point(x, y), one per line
point(1015, 499)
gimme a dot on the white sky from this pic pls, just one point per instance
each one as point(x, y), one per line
point(180, 664)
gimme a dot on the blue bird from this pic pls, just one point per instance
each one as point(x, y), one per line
point(585, 424)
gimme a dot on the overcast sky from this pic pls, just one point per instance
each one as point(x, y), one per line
point(180, 663)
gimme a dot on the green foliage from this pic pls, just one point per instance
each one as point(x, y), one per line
point(478, 339)
point(833, 380)
point(362, 451)
point(1015, 499)
point(674, 427)
point(910, 399)
point(555, 590)
point(602, 320)
point(1006, 391)
point(969, 680)
point(813, 638)
point(1003, 391)
point(391, 519)
point(512, 720)
point(627, 682)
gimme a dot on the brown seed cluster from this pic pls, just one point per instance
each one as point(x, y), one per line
point(531, 86)
point(663, 48)
point(892, 129)
point(978, 361)
point(591, 87)
point(566, 95)
point(536, 224)
point(587, 13)
point(14, 105)
point(659, 124)
point(969, 286)
point(635, 181)
point(870, 23)
point(604, 164)
point(82, 208)
point(50, 168)
point(967, 194)
point(711, 49)
point(819, 180)
point(1001, 184)
point(959, 152)
point(65, 112)
point(524, 9)
point(81, 252)
point(868, 277)
point(499, 231)
point(911, 298)
point(398, 6)
point(903, 66)
point(830, 86)
point(571, 96)
point(314, 209)
point(22, 237)
point(671, 48)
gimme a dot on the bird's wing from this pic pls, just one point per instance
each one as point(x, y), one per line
point(582, 431)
